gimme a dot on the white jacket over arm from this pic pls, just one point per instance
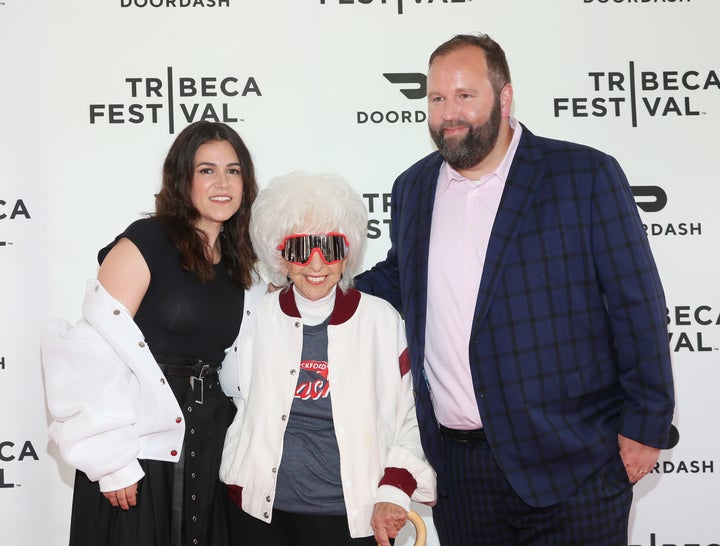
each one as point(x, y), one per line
point(110, 402)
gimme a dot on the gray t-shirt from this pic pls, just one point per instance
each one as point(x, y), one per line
point(309, 479)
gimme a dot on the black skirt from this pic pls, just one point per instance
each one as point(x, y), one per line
point(178, 504)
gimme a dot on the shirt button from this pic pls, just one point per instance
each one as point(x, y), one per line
point(267, 499)
point(173, 453)
point(298, 324)
point(178, 419)
point(162, 380)
point(141, 344)
point(116, 312)
point(190, 408)
point(274, 470)
point(283, 418)
point(293, 372)
point(266, 515)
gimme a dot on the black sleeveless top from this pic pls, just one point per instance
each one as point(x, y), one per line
point(179, 315)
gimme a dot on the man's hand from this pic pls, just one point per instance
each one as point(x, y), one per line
point(387, 520)
point(639, 459)
point(123, 498)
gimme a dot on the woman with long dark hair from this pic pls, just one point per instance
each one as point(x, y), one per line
point(134, 387)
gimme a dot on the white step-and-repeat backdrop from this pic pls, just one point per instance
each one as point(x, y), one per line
point(92, 93)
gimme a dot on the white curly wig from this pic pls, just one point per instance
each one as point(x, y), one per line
point(300, 202)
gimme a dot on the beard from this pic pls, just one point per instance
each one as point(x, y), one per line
point(466, 152)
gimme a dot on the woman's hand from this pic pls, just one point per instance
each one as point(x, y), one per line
point(123, 498)
point(387, 520)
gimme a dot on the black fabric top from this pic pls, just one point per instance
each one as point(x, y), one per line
point(179, 315)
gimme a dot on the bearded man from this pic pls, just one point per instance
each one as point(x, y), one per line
point(535, 319)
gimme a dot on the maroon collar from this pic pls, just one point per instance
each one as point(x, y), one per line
point(346, 304)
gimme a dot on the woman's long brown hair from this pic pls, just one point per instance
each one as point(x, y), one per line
point(174, 207)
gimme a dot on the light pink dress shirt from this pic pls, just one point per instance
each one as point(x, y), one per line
point(463, 216)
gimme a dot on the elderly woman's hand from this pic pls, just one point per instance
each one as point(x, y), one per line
point(387, 520)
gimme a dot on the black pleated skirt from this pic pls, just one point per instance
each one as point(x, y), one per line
point(179, 504)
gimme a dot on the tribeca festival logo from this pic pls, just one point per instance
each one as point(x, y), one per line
point(172, 99)
point(691, 326)
point(11, 451)
point(11, 209)
point(399, 3)
point(378, 206)
point(634, 94)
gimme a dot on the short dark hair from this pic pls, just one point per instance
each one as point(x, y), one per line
point(174, 207)
point(498, 69)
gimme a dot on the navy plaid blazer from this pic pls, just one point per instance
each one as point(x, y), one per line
point(569, 343)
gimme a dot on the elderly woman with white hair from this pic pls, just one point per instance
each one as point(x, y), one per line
point(324, 448)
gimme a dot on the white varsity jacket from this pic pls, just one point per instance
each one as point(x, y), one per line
point(372, 404)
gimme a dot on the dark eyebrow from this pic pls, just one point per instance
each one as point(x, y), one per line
point(237, 163)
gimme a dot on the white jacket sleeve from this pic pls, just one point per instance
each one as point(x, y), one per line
point(405, 451)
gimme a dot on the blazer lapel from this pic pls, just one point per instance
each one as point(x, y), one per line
point(526, 173)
